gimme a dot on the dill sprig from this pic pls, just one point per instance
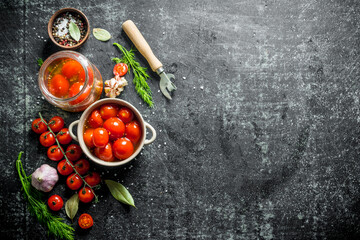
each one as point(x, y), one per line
point(38, 208)
point(140, 75)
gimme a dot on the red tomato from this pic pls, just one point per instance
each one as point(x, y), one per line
point(105, 153)
point(73, 152)
point(95, 119)
point(93, 179)
point(88, 134)
point(56, 123)
point(115, 127)
point(133, 131)
point(75, 89)
point(86, 195)
point(59, 86)
point(54, 153)
point(74, 181)
point(125, 114)
point(64, 136)
point(64, 168)
point(100, 137)
point(47, 139)
point(55, 202)
point(82, 166)
point(120, 69)
point(108, 110)
point(85, 221)
point(38, 126)
point(123, 148)
point(71, 69)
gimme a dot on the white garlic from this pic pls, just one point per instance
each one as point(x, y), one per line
point(115, 86)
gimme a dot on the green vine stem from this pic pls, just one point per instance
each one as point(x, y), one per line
point(67, 160)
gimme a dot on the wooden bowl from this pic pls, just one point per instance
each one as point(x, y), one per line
point(72, 10)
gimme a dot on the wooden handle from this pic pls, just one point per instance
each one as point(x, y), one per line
point(140, 43)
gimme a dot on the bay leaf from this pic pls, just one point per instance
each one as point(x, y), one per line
point(74, 31)
point(101, 34)
point(72, 206)
point(120, 192)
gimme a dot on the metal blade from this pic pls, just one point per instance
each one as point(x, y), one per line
point(166, 85)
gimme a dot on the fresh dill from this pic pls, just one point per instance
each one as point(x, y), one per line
point(140, 75)
point(39, 209)
point(40, 62)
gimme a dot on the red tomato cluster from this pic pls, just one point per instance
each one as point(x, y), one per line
point(112, 132)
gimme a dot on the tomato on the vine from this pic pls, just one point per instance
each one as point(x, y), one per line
point(55, 202)
point(120, 69)
point(64, 168)
point(93, 179)
point(64, 136)
point(125, 114)
point(88, 134)
point(105, 153)
point(47, 139)
point(123, 148)
point(100, 137)
point(59, 86)
point(55, 153)
point(73, 152)
point(95, 119)
point(82, 166)
point(85, 221)
point(86, 195)
point(115, 127)
point(56, 123)
point(74, 181)
point(133, 131)
point(38, 126)
point(108, 110)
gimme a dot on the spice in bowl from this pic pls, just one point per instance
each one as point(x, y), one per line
point(69, 29)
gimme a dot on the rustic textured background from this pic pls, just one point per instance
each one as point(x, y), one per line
point(261, 139)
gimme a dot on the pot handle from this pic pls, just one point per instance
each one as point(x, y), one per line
point(71, 132)
point(148, 141)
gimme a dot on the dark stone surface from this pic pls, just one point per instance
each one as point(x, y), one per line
point(261, 139)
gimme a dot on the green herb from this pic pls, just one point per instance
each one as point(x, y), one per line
point(72, 206)
point(38, 208)
point(120, 192)
point(140, 75)
point(40, 62)
point(101, 34)
point(74, 31)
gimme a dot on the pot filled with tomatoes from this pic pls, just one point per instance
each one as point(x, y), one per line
point(111, 132)
point(68, 80)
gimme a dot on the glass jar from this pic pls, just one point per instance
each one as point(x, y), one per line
point(68, 80)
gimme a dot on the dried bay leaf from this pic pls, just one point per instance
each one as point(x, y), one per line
point(101, 34)
point(119, 192)
point(74, 31)
point(72, 206)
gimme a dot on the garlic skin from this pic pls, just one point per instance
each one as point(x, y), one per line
point(44, 178)
point(115, 86)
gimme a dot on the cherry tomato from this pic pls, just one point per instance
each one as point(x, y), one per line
point(73, 152)
point(133, 131)
point(74, 181)
point(38, 126)
point(47, 139)
point(86, 195)
point(115, 127)
point(56, 123)
point(64, 168)
point(93, 179)
point(120, 69)
point(123, 148)
point(125, 114)
point(59, 86)
point(82, 166)
point(75, 89)
point(55, 202)
point(108, 110)
point(85, 221)
point(54, 153)
point(105, 153)
point(100, 137)
point(71, 69)
point(95, 119)
point(64, 136)
point(88, 134)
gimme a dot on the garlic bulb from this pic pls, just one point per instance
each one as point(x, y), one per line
point(115, 86)
point(44, 178)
